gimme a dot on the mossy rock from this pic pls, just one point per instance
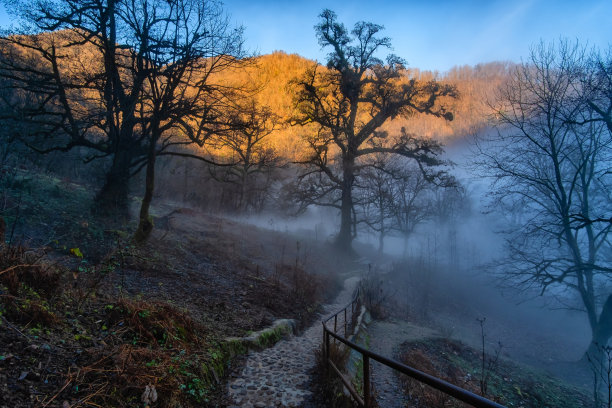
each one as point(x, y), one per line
point(267, 337)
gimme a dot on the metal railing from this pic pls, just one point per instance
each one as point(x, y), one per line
point(366, 400)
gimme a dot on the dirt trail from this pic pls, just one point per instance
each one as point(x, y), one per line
point(278, 376)
point(385, 337)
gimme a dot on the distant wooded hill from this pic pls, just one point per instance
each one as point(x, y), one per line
point(269, 80)
point(272, 75)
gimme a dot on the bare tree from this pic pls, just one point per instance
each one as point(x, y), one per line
point(594, 93)
point(550, 161)
point(91, 72)
point(88, 101)
point(393, 196)
point(596, 81)
point(189, 42)
point(375, 197)
point(245, 144)
point(348, 102)
point(412, 199)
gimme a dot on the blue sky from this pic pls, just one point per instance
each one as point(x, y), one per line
point(434, 35)
point(431, 34)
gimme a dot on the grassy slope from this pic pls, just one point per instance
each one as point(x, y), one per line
point(88, 318)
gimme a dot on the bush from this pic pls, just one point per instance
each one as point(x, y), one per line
point(20, 266)
point(29, 283)
point(374, 296)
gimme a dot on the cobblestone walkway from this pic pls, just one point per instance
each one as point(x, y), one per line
point(278, 376)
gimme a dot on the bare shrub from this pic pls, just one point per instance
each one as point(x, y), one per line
point(326, 378)
point(19, 265)
point(374, 296)
point(419, 289)
point(601, 366)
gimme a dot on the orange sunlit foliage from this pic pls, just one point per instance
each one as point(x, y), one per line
point(268, 81)
point(271, 76)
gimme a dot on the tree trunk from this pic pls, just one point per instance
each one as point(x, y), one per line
point(2, 231)
point(601, 334)
point(145, 222)
point(112, 199)
point(345, 237)
point(243, 203)
point(381, 241)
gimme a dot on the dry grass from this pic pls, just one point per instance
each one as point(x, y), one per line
point(29, 282)
point(327, 381)
point(510, 384)
point(19, 266)
point(154, 323)
point(422, 395)
point(374, 296)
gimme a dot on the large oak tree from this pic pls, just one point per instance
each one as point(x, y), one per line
point(348, 102)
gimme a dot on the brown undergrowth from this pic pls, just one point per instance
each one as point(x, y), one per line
point(91, 319)
point(145, 344)
point(29, 283)
point(145, 321)
point(508, 384)
point(105, 353)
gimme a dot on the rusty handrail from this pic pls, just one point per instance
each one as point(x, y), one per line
point(450, 389)
point(351, 303)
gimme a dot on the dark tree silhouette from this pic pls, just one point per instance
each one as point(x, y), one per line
point(348, 102)
point(87, 101)
point(245, 145)
point(91, 73)
point(596, 82)
point(412, 199)
point(551, 162)
point(190, 42)
point(375, 197)
point(394, 197)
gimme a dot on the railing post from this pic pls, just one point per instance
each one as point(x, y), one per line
point(368, 400)
point(326, 333)
point(323, 344)
point(366, 381)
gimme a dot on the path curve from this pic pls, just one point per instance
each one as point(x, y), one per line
point(278, 376)
point(385, 338)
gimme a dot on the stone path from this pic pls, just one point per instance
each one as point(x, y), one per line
point(385, 338)
point(277, 377)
